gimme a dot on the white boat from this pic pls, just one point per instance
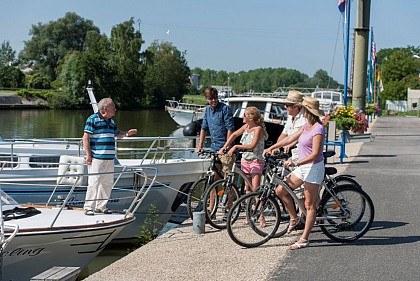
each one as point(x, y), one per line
point(271, 107)
point(174, 158)
point(34, 238)
point(184, 113)
point(328, 100)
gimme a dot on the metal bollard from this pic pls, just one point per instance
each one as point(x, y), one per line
point(199, 220)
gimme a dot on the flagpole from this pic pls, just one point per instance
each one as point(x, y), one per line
point(346, 50)
point(370, 78)
point(374, 85)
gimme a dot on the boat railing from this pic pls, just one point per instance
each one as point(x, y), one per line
point(44, 153)
point(143, 179)
point(50, 146)
point(185, 106)
point(156, 149)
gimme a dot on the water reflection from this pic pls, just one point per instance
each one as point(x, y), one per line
point(70, 123)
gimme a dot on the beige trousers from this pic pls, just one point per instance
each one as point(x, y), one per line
point(99, 186)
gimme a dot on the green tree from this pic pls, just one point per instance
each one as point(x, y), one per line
point(93, 64)
point(399, 71)
point(51, 42)
point(321, 79)
point(7, 54)
point(38, 81)
point(167, 74)
point(11, 77)
point(126, 43)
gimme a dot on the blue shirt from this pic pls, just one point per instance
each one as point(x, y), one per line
point(218, 122)
point(102, 139)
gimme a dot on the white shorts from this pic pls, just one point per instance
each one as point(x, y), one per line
point(312, 173)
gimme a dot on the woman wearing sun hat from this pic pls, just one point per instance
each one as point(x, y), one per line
point(309, 169)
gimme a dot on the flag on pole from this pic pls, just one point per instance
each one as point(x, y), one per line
point(373, 52)
point(342, 6)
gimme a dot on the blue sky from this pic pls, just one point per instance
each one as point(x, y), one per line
point(231, 35)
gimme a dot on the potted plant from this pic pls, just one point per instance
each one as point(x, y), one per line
point(348, 119)
point(372, 109)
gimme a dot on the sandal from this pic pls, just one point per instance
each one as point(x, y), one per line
point(292, 226)
point(301, 243)
point(89, 213)
point(104, 211)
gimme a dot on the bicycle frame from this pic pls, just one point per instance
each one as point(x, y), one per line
point(276, 180)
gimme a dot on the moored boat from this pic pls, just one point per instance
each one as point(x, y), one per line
point(34, 238)
point(329, 100)
point(271, 107)
point(173, 157)
point(184, 113)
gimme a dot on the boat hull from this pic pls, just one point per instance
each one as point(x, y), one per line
point(184, 117)
point(31, 253)
point(160, 203)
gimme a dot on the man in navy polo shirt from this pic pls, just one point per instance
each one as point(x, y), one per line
point(99, 145)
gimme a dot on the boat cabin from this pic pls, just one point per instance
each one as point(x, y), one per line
point(329, 100)
point(273, 109)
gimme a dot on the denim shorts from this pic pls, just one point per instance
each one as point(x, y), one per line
point(312, 172)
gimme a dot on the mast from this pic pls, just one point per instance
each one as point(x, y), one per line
point(361, 54)
point(346, 51)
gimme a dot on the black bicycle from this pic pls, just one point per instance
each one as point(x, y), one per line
point(199, 187)
point(345, 212)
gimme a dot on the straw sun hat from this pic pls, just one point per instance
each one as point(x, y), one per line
point(294, 97)
point(312, 105)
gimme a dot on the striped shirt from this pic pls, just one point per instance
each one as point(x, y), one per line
point(102, 139)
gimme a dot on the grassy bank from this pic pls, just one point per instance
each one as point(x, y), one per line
point(196, 99)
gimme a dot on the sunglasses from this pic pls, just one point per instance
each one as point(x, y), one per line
point(212, 98)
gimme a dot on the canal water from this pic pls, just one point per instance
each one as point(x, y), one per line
point(36, 123)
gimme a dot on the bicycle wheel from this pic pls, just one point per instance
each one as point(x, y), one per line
point(342, 179)
point(284, 219)
point(218, 199)
point(244, 220)
point(195, 196)
point(350, 216)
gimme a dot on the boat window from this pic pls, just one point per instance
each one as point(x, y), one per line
point(278, 111)
point(8, 158)
point(236, 108)
point(259, 105)
point(318, 95)
point(327, 96)
point(336, 97)
point(44, 161)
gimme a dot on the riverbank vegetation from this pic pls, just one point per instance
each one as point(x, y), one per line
point(63, 55)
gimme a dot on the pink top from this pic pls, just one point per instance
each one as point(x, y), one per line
point(306, 140)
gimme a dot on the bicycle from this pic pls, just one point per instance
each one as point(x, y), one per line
point(221, 194)
point(329, 179)
point(345, 212)
point(199, 187)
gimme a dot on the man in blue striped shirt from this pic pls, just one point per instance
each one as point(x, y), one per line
point(99, 145)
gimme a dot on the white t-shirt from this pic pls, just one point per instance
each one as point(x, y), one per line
point(292, 126)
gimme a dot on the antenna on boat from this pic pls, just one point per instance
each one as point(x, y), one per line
point(92, 98)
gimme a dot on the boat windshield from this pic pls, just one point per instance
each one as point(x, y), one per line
point(7, 202)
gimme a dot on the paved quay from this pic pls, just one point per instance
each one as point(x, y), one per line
point(389, 172)
point(181, 255)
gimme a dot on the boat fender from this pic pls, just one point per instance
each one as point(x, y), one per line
point(192, 129)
